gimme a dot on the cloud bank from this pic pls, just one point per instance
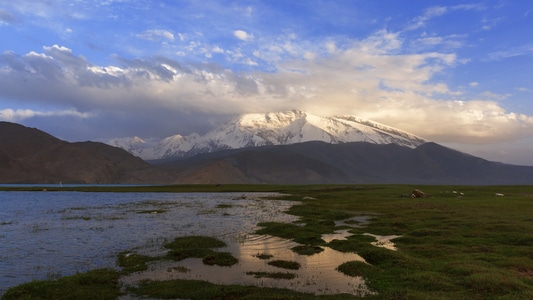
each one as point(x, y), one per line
point(370, 78)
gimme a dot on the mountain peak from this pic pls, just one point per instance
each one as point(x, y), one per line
point(278, 128)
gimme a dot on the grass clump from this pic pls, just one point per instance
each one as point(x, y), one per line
point(272, 275)
point(307, 249)
point(132, 262)
point(285, 264)
point(200, 290)
point(97, 284)
point(224, 206)
point(264, 256)
point(354, 268)
point(200, 247)
point(224, 259)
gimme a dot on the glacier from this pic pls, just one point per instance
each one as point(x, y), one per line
point(280, 128)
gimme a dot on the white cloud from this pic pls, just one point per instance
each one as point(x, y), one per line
point(524, 89)
point(157, 35)
point(243, 35)
point(437, 11)
point(369, 77)
point(17, 115)
point(526, 49)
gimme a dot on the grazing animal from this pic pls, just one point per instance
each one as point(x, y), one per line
point(419, 194)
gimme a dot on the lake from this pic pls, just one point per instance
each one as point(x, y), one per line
point(45, 235)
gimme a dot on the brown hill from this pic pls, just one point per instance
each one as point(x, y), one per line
point(357, 162)
point(28, 155)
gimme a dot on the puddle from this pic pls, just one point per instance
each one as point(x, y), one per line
point(317, 274)
point(384, 241)
point(337, 235)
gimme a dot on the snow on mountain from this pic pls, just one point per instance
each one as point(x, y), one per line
point(251, 130)
point(134, 145)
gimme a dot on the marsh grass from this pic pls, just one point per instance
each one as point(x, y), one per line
point(285, 264)
point(264, 256)
point(200, 247)
point(133, 262)
point(474, 245)
point(96, 284)
point(307, 249)
point(273, 275)
point(196, 289)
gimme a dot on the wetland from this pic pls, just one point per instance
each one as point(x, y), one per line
point(271, 242)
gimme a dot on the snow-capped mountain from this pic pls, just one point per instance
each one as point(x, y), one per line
point(251, 130)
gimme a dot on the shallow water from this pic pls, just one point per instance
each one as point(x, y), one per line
point(317, 274)
point(45, 235)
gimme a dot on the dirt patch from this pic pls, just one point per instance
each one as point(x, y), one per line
point(524, 271)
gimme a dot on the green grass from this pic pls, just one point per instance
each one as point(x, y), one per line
point(93, 285)
point(285, 264)
point(200, 247)
point(476, 246)
point(132, 262)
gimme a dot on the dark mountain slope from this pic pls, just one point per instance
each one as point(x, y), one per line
point(435, 163)
point(28, 155)
point(357, 162)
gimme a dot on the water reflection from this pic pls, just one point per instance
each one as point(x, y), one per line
point(317, 275)
point(51, 234)
point(384, 241)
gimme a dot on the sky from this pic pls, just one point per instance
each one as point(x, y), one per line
point(459, 73)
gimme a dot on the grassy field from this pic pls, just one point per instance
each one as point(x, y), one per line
point(461, 243)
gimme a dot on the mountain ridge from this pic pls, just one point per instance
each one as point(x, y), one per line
point(318, 162)
point(28, 155)
point(282, 128)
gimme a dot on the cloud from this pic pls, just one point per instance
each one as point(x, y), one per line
point(243, 35)
point(157, 35)
point(522, 50)
point(437, 11)
point(10, 115)
point(524, 89)
point(369, 77)
point(443, 42)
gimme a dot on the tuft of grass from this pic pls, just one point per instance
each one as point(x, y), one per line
point(200, 247)
point(224, 206)
point(133, 262)
point(272, 275)
point(97, 284)
point(285, 264)
point(354, 268)
point(307, 249)
point(264, 256)
point(202, 290)
point(224, 259)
